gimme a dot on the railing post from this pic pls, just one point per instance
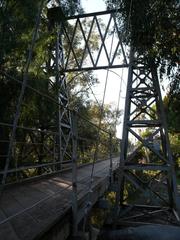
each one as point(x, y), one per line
point(54, 154)
point(110, 158)
point(59, 113)
point(74, 172)
point(15, 159)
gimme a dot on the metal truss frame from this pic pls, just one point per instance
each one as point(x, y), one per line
point(57, 143)
point(71, 26)
point(144, 113)
point(64, 58)
point(143, 110)
point(143, 92)
point(72, 62)
point(64, 136)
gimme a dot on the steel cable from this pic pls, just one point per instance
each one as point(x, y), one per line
point(88, 206)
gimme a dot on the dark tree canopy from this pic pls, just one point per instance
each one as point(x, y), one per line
point(152, 27)
point(40, 105)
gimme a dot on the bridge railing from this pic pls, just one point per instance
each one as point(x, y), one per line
point(35, 152)
point(39, 148)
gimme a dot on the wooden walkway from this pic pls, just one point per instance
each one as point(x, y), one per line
point(30, 210)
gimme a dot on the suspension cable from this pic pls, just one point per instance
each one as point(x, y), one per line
point(50, 98)
point(119, 98)
point(100, 121)
point(101, 111)
point(94, 95)
point(98, 138)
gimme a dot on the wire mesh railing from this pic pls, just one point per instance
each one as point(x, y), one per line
point(36, 149)
point(35, 152)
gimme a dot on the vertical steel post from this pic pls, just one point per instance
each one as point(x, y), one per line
point(74, 171)
point(124, 142)
point(171, 175)
point(58, 62)
point(110, 158)
point(21, 96)
point(54, 153)
point(15, 159)
point(144, 112)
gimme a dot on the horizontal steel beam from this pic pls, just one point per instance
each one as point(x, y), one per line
point(147, 167)
point(112, 11)
point(144, 123)
point(95, 68)
point(56, 14)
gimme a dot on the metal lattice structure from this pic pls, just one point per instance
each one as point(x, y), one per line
point(146, 172)
point(64, 137)
point(77, 41)
point(46, 147)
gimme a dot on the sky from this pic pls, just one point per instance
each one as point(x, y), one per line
point(93, 5)
point(114, 79)
point(113, 84)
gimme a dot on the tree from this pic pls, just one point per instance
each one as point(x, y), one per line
point(173, 117)
point(17, 20)
point(172, 110)
point(35, 139)
point(152, 28)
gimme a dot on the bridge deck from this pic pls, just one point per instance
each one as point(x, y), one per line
point(29, 210)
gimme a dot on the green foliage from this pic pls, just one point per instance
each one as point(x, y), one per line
point(89, 133)
point(17, 19)
point(98, 217)
point(152, 27)
point(171, 104)
point(172, 111)
point(40, 109)
point(175, 147)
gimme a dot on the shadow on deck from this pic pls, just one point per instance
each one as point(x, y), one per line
point(42, 209)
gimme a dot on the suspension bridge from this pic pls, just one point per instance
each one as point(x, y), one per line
point(52, 176)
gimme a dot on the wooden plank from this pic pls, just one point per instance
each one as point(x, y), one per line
point(52, 207)
point(25, 226)
point(2, 215)
point(35, 207)
point(26, 196)
point(51, 186)
point(9, 205)
point(7, 232)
